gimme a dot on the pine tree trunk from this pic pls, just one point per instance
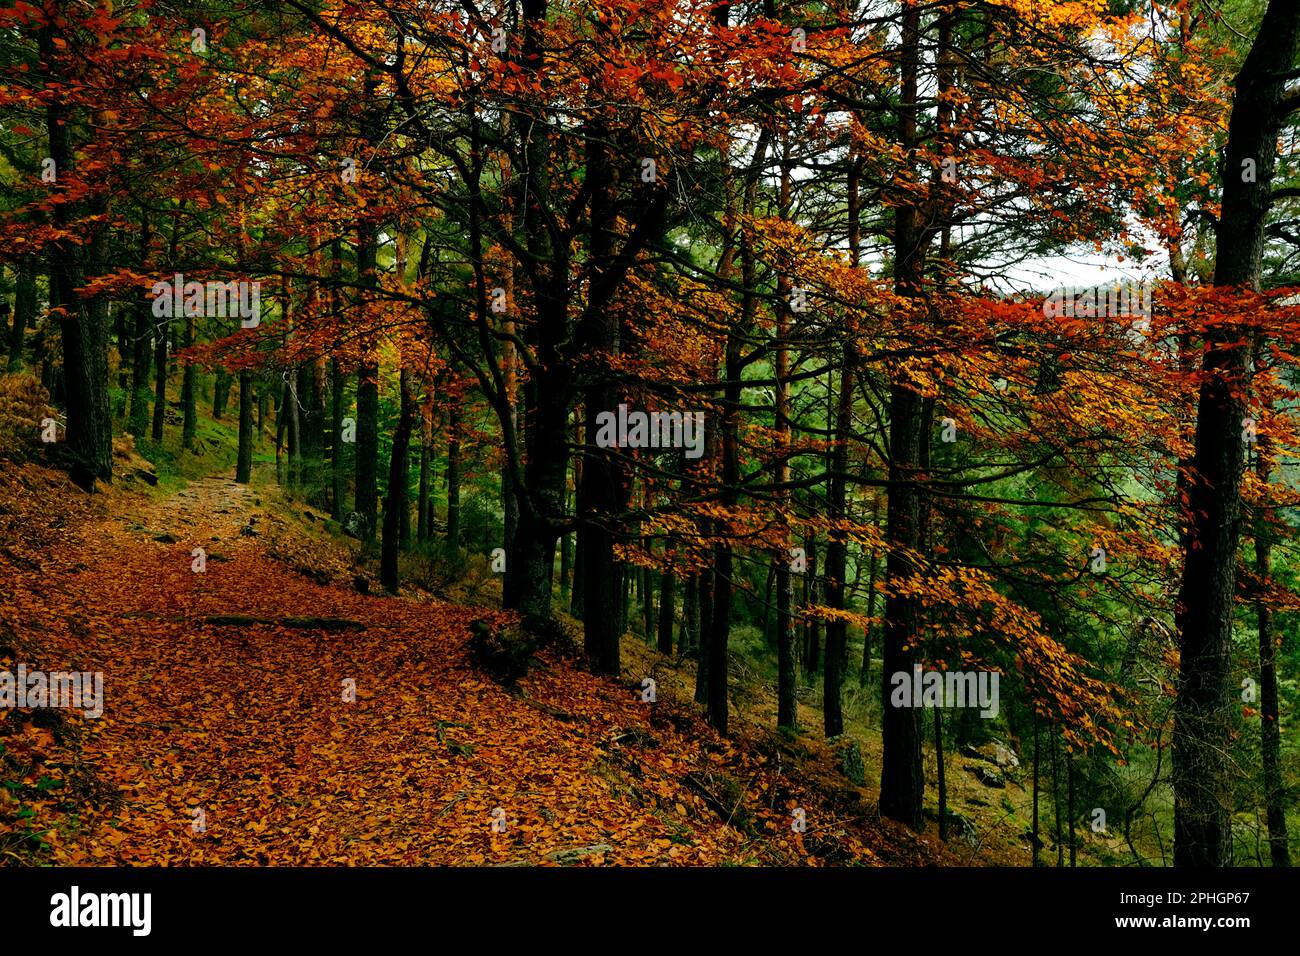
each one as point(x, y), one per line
point(667, 610)
point(690, 614)
point(189, 400)
point(647, 604)
point(244, 466)
point(142, 335)
point(902, 783)
point(24, 311)
point(221, 394)
point(338, 388)
point(1037, 841)
point(1269, 716)
point(82, 322)
point(161, 331)
point(395, 503)
point(1202, 771)
point(705, 636)
point(367, 478)
point(453, 477)
point(943, 783)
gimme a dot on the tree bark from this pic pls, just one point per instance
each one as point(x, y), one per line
point(1202, 774)
point(395, 503)
point(244, 465)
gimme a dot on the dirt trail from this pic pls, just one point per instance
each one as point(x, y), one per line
point(248, 725)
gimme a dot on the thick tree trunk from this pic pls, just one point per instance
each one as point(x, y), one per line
point(81, 322)
point(902, 782)
point(338, 478)
point(1202, 773)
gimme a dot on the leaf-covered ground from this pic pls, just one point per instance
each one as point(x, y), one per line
point(247, 722)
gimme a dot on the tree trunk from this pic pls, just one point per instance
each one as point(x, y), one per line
point(1269, 726)
point(1037, 841)
point(395, 504)
point(338, 479)
point(667, 597)
point(647, 604)
point(221, 394)
point(24, 311)
point(189, 401)
point(1202, 772)
point(1069, 803)
point(690, 611)
point(142, 336)
point(837, 553)
point(367, 479)
point(244, 466)
point(943, 783)
point(81, 322)
point(705, 636)
point(902, 782)
point(161, 331)
point(423, 526)
point(453, 476)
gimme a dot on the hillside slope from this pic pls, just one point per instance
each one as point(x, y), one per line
point(226, 737)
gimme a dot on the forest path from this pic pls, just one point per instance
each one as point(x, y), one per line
point(246, 722)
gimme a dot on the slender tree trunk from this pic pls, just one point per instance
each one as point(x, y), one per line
point(142, 335)
point(423, 529)
point(189, 400)
point(1037, 841)
point(24, 311)
point(1270, 728)
point(705, 636)
point(667, 597)
point(453, 477)
point(244, 466)
point(690, 611)
point(943, 783)
point(395, 504)
point(647, 604)
point(161, 331)
point(368, 447)
point(338, 388)
point(1069, 803)
point(837, 554)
